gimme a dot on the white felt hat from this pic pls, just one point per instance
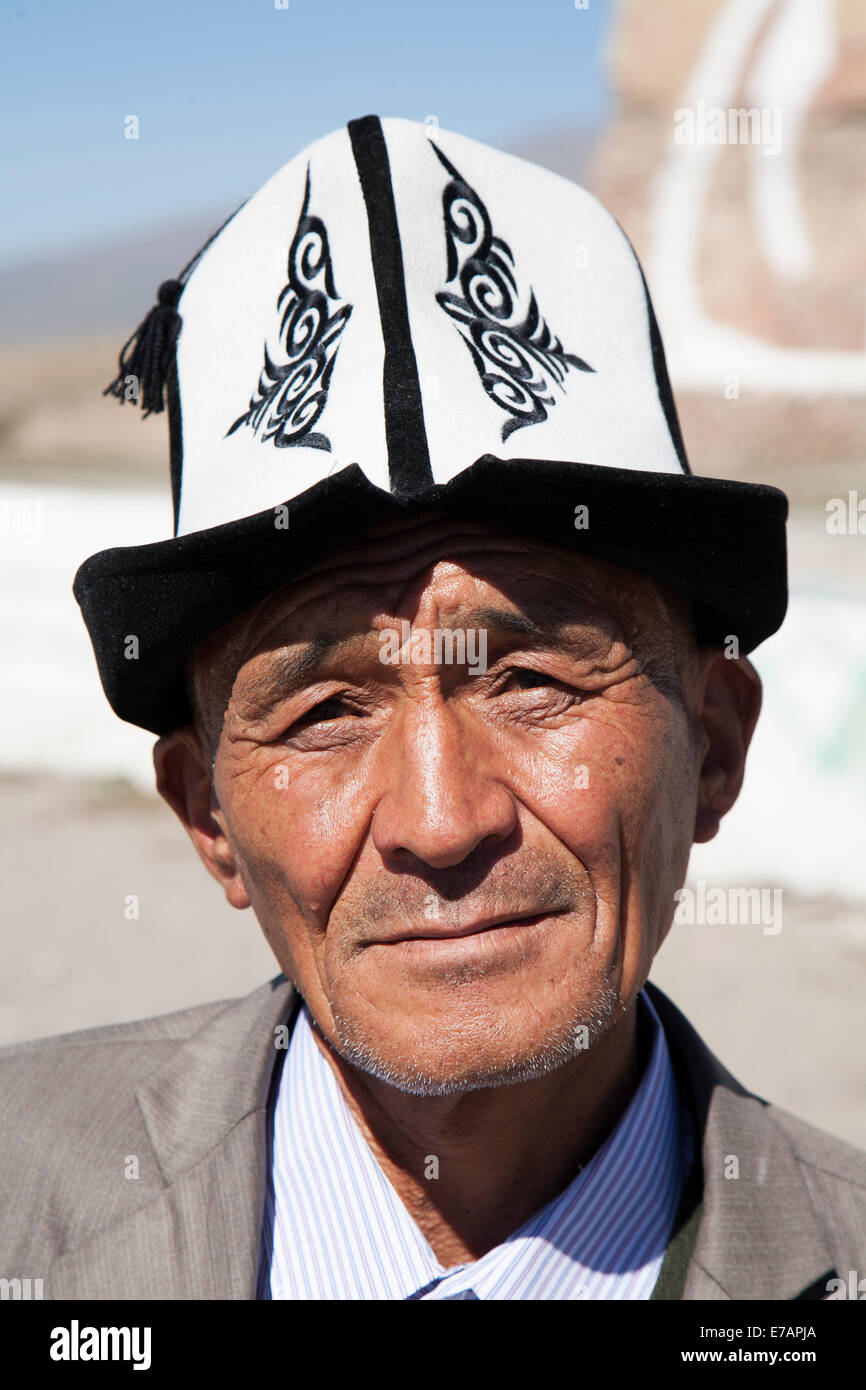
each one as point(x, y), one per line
point(400, 319)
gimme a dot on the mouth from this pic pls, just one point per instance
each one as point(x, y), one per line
point(427, 931)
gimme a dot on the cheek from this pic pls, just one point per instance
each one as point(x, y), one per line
point(615, 792)
point(296, 831)
point(614, 789)
point(588, 780)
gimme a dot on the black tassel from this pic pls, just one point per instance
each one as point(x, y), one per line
point(148, 354)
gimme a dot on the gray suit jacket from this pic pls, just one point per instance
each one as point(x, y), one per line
point(132, 1162)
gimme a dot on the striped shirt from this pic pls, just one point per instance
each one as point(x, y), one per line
point(335, 1228)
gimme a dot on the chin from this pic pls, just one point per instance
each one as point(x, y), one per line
point(475, 1048)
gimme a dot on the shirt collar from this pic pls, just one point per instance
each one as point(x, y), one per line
point(335, 1227)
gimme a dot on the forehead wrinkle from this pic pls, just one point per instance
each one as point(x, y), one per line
point(396, 543)
point(400, 569)
point(391, 582)
point(578, 590)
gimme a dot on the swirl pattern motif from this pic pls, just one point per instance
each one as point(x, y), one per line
point(517, 358)
point(293, 385)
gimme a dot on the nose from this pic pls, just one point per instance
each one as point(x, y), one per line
point(442, 799)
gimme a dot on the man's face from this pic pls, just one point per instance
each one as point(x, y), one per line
point(458, 867)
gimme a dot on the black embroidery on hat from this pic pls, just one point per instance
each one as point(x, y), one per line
point(292, 392)
point(518, 359)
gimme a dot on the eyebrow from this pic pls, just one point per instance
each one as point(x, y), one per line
point(286, 672)
point(520, 625)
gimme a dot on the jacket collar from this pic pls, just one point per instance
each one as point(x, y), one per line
point(759, 1237)
point(205, 1109)
point(216, 1080)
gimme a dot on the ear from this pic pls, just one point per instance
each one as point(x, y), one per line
point(184, 779)
point(729, 712)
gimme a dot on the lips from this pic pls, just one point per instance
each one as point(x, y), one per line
point(445, 932)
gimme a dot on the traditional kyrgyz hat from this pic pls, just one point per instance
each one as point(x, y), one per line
point(402, 319)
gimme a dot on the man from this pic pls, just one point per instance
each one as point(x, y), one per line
point(440, 660)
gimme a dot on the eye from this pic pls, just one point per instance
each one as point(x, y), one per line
point(324, 712)
point(525, 679)
point(332, 708)
point(550, 693)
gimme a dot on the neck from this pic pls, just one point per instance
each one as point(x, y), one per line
point(473, 1168)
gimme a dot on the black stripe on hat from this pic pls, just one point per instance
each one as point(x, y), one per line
point(408, 453)
point(660, 369)
point(663, 383)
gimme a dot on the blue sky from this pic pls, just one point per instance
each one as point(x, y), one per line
point(227, 90)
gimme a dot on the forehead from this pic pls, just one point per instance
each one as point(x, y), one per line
point(429, 564)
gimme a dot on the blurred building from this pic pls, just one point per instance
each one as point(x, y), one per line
point(755, 251)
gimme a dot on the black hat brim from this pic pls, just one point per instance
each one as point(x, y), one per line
point(721, 542)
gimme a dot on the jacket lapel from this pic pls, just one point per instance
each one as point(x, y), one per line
point(759, 1237)
point(205, 1111)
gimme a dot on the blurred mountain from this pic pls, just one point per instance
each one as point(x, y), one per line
point(109, 288)
point(64, 319)
point(564, 149)
point(106, 288)
point(766, 352)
